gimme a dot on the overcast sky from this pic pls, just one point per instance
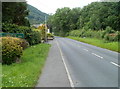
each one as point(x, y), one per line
point(50, 6)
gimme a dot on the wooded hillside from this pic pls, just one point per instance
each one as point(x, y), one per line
point(36, 16)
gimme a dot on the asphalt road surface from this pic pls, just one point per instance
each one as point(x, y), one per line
point(87, 65)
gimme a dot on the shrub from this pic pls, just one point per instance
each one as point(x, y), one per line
point(32, 36)
point(35, 37)
point(11, 49)
point(75, 33)
point(117, 36)
point(109, 30)
point(108, 34)
point(12, 28)
point(24, 44)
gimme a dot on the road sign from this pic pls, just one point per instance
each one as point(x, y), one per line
point(18, 35)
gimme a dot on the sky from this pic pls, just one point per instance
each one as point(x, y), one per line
point(50, 6)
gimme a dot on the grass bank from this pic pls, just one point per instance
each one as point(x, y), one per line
point(26, 73)
point(100, 43)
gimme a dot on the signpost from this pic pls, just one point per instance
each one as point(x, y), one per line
point(18, 35)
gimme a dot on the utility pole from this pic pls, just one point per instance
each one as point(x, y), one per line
point(45, 30)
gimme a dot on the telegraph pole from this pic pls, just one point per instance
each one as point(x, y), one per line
point(45, 30)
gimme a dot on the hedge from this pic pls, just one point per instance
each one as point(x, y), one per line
point(12, 49)
point(32, 36)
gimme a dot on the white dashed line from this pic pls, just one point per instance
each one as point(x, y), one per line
point(97, 55)
point(68, 74)
point(115, 64)
point(85, 49)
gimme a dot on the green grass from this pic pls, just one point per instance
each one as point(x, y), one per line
point(26, 73)
point(0, 73)
point(100, 43)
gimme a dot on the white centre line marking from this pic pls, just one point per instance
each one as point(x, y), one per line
point(85, 49)
point(115, 64)
point(68, 74)
point(97, 55)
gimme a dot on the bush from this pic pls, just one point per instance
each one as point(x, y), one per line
point(117, 36)
point(11, 49)
point(32, 36)
point(108, 34)
point(24, 44)
point(35, 37)
point(109, 30)
point(75, 33)
point(12, 28)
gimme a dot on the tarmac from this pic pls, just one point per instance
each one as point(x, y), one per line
point(53, 73)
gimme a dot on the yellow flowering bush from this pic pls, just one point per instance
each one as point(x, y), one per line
point(11, 49)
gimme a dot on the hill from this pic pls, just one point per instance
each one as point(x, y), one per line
point(36, 16)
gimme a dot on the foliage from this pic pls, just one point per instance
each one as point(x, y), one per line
point(76, 33)
point(96, 16)
point(99, 15)
point(15, 13)
point(12, 28)
point(11, 49)
point(32, 36)
point(20, 75)
point(43, 28)
point(64, 20)
point(35, 37)
point(109, 34)
point(24, 44)
point(36, 16)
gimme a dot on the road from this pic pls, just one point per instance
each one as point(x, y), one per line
point(87, 65)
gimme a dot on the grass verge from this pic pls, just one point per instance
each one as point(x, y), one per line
point(26, 73)
point(114, 46)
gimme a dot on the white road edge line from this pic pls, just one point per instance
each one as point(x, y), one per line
point(115, 64)
point(85, 49)
point(68, 74)
point(97, 55)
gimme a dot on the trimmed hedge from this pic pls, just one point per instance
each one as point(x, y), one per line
point(12, 49)
point(32, 36)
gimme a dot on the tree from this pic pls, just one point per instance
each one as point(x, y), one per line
point(15, 13)
point(95, 16)
point(64, 20)
point(98, 15)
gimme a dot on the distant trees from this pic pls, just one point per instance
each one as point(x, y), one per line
point(95, 16)
point(64, 20)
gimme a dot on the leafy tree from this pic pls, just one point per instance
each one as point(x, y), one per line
point(98, 15)
point(15, 13)
point(64, 20)
point(95, 16)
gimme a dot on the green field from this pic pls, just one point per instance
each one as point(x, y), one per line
point(114, 46)
point(26, 73)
